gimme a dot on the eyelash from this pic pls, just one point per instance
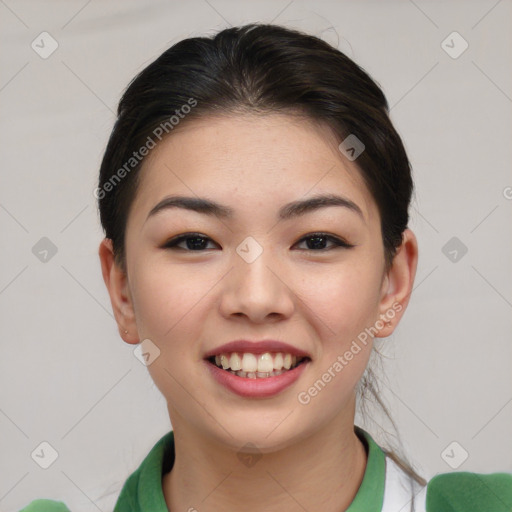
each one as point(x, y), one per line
point(338, 242)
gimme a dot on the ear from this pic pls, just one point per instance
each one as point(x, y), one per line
point(397, 284)
point(116, 281)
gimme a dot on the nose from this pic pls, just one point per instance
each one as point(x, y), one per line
point(257, 290)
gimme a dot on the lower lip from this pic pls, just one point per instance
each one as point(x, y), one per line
point(256, 388)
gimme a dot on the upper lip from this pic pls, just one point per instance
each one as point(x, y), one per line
point(256, 347)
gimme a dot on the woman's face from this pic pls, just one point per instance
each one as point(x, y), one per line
point(255, 276)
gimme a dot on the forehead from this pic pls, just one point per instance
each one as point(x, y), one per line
point(255, 160)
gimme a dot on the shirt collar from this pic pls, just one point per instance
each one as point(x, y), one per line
point(370, 495)
point(147, 492)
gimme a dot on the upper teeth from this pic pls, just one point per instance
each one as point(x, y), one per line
point(247, 362)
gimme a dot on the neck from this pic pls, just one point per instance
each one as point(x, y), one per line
point(323, 471)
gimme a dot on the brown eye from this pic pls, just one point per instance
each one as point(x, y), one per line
point(194, 242)
point(319, 240)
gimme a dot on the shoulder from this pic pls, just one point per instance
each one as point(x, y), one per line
point(447, 492)
point(143, 485)
point(125, 503)
point(45, 506)
point(469, 492)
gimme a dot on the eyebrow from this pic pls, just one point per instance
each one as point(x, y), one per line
point(288, 211)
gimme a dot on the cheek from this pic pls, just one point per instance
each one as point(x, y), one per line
point(345, 300)
point(167, 301)
point(341, 310)
point(169, 310)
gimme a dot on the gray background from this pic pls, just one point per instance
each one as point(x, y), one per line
point(66, 376)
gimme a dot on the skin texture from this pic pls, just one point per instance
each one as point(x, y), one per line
point(188, 302)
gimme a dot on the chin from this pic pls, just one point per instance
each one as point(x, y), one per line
point(266, 436)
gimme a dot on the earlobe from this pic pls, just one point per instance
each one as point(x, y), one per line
point(397, 284)
point(116, 282)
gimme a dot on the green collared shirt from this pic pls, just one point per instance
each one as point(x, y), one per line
point(383, 488)
point(143, 490)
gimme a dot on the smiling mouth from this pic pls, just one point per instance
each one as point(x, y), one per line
point(258, 366)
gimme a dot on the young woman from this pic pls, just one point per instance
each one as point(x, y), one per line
point(254, 196)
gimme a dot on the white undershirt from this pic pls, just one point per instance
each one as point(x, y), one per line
point(398, 490)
